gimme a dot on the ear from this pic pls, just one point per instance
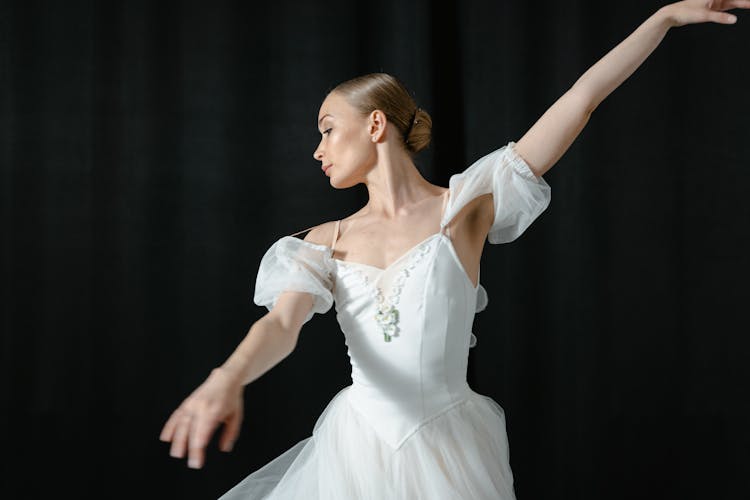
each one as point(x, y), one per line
point(376, 125)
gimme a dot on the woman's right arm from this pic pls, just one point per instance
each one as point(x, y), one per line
point(219, 398)
point(271, 339)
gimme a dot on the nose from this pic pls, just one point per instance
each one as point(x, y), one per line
point(318, 153)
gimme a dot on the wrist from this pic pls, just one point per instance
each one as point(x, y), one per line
point(230, 373)
point(664, 16)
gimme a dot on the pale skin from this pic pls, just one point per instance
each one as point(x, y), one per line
point(403, 209)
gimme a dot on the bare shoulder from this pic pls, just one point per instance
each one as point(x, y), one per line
point(322, 234)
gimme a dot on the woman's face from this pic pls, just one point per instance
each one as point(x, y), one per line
point(347, 142)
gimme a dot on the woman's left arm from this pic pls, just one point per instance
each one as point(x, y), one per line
point(552, 134)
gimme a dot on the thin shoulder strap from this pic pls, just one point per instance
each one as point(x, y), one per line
point(442, 212)
point(335, 234)
point(295, 234)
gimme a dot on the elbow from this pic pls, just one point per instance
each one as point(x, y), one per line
point(284, 329)
point(585, 102)
point(291, 336)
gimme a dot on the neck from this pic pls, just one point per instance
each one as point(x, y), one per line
point(395, 186)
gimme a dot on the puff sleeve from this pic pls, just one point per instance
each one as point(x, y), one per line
point(293, 264)
point(519, 196)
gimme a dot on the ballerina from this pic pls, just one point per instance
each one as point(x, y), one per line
point(403, 272)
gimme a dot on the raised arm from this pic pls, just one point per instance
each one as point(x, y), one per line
point(552, 134)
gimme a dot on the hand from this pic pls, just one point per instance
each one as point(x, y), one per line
point(703, 11)
point(217, 400)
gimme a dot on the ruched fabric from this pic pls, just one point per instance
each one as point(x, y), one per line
point(292, 264)
point(518, 195)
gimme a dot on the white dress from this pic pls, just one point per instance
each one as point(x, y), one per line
point(409, 426)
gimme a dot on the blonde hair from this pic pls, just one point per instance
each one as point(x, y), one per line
point(382, 91)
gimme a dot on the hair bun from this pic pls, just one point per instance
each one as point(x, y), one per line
point(418, 135)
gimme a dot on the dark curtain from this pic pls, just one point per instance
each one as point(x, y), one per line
point(152, 151)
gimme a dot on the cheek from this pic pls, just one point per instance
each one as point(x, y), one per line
point(351, 150)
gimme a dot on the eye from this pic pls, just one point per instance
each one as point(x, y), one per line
point(326, 131)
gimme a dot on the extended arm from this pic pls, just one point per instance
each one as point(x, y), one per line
point(219, 399)
point(548, 139)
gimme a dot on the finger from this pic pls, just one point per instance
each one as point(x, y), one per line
point(200, 433)
point(722, 17)
point(231, 431)
point(179, 440)
point(168, 430)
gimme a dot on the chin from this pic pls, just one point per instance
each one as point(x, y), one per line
point(341, 183)
point(337, 185)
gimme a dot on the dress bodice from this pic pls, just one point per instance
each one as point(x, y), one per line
point(408, 326)
point(421, 371)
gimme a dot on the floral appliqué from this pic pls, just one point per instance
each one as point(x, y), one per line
point(386, 310)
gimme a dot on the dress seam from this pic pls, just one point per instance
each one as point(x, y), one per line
point(421, 339)
point(431, 418)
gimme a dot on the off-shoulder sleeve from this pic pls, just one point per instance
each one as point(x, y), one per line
point(293, 264)
point(519, 196)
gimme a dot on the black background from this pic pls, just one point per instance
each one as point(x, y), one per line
point(150, 152)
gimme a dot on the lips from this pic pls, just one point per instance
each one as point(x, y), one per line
point(326, 167)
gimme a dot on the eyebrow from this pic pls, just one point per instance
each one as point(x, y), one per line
point(322, 118)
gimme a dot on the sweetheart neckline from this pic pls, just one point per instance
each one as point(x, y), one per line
point(392, 264)
point(382, 271)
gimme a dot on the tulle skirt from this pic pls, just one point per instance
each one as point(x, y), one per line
point(462, 453)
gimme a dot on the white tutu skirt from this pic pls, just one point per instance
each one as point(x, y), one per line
point(462, 453)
